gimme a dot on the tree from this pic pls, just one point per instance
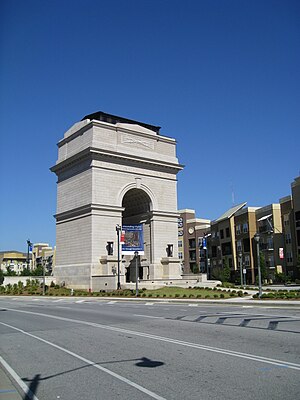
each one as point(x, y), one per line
point(226, 270)
point(26, 272)
point(10, 271)
point(263, 268)
point(1, 277)
point(38, 271)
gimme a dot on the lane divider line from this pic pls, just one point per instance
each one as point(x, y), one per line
point(232, 353)
point(89, 362)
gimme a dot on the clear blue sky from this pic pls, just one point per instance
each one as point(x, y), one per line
point(222, 77)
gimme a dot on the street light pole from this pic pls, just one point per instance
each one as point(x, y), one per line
point(118, 229)
point(29, 244)
point(136, 253)
point(44, 262)
point(241, 269)
point(256, 238)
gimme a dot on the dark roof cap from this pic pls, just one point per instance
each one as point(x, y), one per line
point(114, 119)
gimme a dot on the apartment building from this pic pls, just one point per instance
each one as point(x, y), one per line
point(245, 229)
point(295, 186)
point(14, 261)
point(269, 227)
point(289, 235)
point(223, 241)
point(192, 233)
point(43, 254)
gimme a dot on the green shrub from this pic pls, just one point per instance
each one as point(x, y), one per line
point(199, 296)
point(177, 294)
point(216, 296)
point(222, 296)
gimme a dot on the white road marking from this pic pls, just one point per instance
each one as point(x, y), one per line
point(89, 362)
point(19, 381)
point(56, 301)
point(147, 316)
point(232, 353)
point(149, 304)
point(193, 305)
point(80, 301)
point(112, 302)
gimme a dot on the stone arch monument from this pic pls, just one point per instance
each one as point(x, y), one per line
point(114, 172)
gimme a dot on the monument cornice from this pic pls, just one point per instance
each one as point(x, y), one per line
point(86, 210)
point(94, 153)
point(115, 128)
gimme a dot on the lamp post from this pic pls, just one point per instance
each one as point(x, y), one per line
point(44, 278)
point(205, 248)
point(136, 253)
point(29, 248)
point(245, 274)
point(256, 238)
point(118, 229)
point(241, 267)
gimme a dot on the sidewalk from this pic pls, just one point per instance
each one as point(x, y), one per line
point(8, 389)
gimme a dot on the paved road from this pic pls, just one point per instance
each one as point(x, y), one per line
point(99, 349)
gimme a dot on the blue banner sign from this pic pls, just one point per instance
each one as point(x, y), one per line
point(133, 239)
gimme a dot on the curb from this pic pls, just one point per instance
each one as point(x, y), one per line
point(236, 301)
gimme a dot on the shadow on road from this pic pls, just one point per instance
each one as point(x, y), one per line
point(29, 395)
point(142, 362)
point(147, 363)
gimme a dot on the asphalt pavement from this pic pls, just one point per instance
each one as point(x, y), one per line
point(108, 348)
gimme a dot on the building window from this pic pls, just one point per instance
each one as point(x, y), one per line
point(214, 251)
point(221, 234)
point(180, 255)
point(226, 249)
point(270, 245)
point(193, 255)
point(286, 219)
point(238, 229)
point(246, 245)
point(245, 227)
point(180, 233)
point(227, 232)
point(288, 238)
point(289, 257)
point(179, 243)
point(270, 262)
point(192, 243)
point(247, 261)
point(239, 245)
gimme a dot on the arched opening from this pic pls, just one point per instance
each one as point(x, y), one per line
point(138, 210)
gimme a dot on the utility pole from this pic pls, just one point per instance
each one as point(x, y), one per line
point(136, 253)
point(118, 229)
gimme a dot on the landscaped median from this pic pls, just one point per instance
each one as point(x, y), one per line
point(34, 288)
